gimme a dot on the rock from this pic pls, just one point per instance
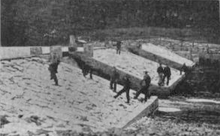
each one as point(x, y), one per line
point(42, 132)
point(104, 134)
point(33, 119)
point(83, 118)
point(20, 116)
point(3, 120)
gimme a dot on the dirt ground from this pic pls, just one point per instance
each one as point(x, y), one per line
point(181, 116)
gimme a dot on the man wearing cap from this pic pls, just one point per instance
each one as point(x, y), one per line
point(118, 47)
point(184, 68)
point(160, 72)
point(126, 88)
point(87, 69)
point(145, 83)
point(114, 79)
point(167, 74)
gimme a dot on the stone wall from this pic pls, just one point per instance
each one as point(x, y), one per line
point(14, 52)
point(105, 71)
point(154, 57)
point(23, 52)
point(143, 110)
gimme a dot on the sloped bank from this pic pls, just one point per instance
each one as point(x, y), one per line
point(37, 68)
point(78, 104)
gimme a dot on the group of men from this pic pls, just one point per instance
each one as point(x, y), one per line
point(163, 73)
point(144, 85)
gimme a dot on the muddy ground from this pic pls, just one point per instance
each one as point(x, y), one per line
point(180, 116)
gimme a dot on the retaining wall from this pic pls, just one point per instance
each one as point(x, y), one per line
point(153, 57)
point(105, 71)
point(22, 52)
point(143, 110)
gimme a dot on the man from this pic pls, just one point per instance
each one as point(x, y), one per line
point(126, 88)
point(53, 66)
point(118, 47)
point(160, 72)
point(87, 69)
point(167, 74)
point(145, 83)
point(84, 68)
point(113, 79)
point(183, 69)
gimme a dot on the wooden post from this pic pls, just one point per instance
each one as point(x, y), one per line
point(160, 41)
point(0, 26)
point(73, 41)
point(190, 53)
point(219, 9)
point(207, 48)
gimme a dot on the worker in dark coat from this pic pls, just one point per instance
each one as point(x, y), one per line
point(126, 88)
point(53, 66)
point(84, 68)
point(167, 74)
point(160, 72)
point(118, 47)
point(145, 84)
point(87, 69)
point(184, 69)
point(114, 79)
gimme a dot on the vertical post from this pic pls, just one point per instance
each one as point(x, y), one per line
point(207, 48)
point(219, 9)
point(73, 41)
point(160, 41)
point(0, 26)
point(190, 52)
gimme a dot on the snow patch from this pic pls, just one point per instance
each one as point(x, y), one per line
point(163, 109)
point(203, 100)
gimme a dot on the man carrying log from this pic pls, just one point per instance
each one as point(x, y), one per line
point(145, 83)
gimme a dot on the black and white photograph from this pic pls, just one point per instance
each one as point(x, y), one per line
point(110, 68)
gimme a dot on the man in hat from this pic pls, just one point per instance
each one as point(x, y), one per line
point(114, 79)
point(87, 69)
point(126, 88)
point(160, 72)
point(167, 74)
point(145, 83)
point(184, 68)
point(53, 66)
point(118, 47)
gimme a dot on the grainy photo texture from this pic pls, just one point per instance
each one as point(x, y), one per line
point(110, 68)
